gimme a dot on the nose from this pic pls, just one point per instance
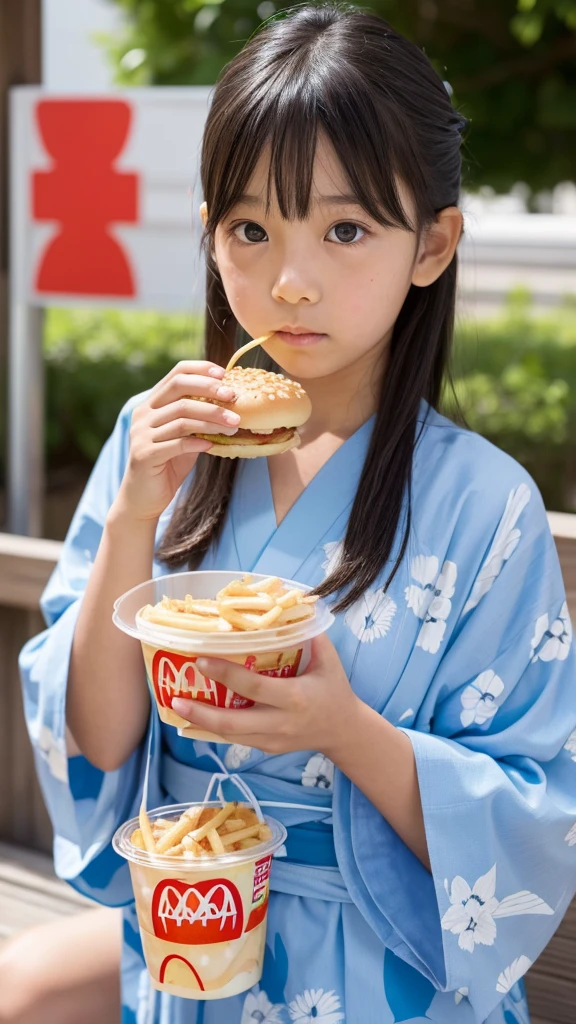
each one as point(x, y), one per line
point(296, 282)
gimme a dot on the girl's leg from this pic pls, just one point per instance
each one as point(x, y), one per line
point(64, 972)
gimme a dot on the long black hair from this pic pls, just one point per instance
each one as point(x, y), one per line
point(379, 102)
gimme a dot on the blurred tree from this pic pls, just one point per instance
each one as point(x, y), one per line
point(511, 65)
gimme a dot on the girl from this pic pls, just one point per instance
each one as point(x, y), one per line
point(429, 739)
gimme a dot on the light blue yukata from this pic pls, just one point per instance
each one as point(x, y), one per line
point(470, 653)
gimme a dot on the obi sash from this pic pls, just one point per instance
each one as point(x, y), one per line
point(310, 868)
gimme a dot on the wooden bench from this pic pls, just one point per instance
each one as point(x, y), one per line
point(29, 891)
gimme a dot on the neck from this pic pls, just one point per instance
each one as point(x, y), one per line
point(344, 400)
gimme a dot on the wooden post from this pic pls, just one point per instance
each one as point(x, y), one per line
point(20, 64)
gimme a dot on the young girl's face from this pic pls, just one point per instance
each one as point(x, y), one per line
point(330, 286)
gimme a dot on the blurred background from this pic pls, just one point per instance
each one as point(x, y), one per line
point(510, 66)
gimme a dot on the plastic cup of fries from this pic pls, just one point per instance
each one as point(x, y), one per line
point(200, 874)
point(264, 623)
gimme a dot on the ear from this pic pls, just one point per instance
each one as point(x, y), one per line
point(204, 213)
point(437, 246)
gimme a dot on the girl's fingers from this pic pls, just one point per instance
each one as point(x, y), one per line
point(184, 384)
point(185, 428)
point(157, 455)
point(259, 688)
point(197, 366)
point(201, 416)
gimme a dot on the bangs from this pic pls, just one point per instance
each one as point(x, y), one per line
point(289, 105)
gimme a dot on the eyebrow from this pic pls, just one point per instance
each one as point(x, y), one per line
point(338, 199)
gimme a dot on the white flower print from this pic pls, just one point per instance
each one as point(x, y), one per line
point(319, 772)
point(570, 838)
point(237, 754)
point(315, 1006)
point(512, 974)
point(371, 616)
point(474, 910)
point(333, 550)
point(504, 544)
point(557, 637)
point(257, 1007)
point(429, 598)
point(570, 745)
point(460, 994)
point(479, 699)
point(53, 751)
point(409, 713)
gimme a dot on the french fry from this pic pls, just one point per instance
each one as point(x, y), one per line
point(295, 614)
point(146, 830)
point(237, 588)
point(205, 832)
point(137, 840)
point(269, 618)
point(270, 585)
point(246, 348)
point(196, 623)
point(217, 820)
point(232, 825)
point(290, 599)
point(242, 620)
point(215, 841)
point(245, 833)
point(174, 851)
point(191, 846)
point(179, 829)
point(258, 603)
point(242, 605)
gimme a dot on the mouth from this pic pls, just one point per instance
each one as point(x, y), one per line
point(299, 336)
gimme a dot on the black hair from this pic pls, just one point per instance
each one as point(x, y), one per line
point(376, 98)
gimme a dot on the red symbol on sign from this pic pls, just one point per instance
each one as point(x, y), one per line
point(173, 959)
point(207, 911)
point(85, 193)
point(174, 675)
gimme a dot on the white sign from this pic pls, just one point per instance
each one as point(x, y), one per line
point(105, 196)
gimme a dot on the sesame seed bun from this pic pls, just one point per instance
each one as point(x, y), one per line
point(268, 403)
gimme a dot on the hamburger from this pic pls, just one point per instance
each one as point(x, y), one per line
point(270, 407)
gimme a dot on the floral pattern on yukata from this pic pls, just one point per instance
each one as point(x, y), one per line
point(429, 598)
point(473, 911)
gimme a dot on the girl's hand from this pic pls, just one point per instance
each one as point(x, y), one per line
point(162, 452)
point(314, 711)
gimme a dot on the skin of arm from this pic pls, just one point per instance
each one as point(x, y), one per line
point(107, 699)
point(107, 702)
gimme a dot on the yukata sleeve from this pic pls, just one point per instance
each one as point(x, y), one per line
point(495, 750)
point(85, 804)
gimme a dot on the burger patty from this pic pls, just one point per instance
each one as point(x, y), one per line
point(243, 436)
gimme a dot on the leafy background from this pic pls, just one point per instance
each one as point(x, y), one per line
point(511, 65)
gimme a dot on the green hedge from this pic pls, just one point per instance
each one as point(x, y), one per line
point(515, 380)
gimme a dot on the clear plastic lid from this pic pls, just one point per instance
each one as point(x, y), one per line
point(122, 844)
point(205, 584)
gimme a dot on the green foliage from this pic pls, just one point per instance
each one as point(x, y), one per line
point(511, 64)
point(515, 380)
point(95, 361)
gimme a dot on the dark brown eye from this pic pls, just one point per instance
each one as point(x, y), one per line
point(251, 232)
point(345, 232)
